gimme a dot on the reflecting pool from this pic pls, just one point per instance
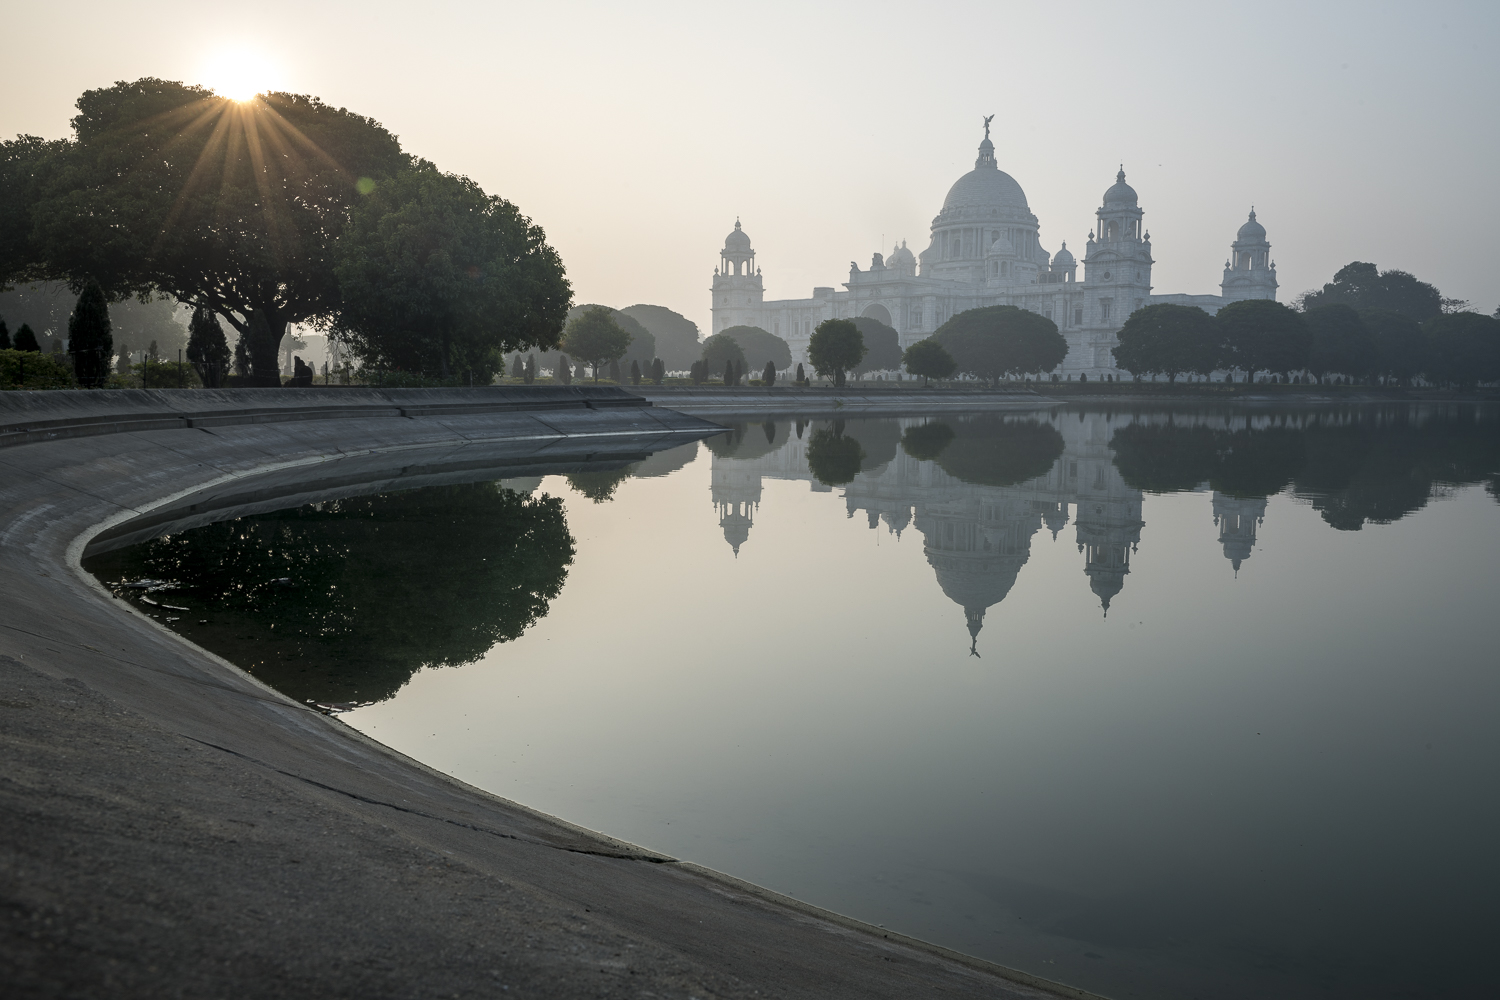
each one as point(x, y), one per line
point(1159, 704)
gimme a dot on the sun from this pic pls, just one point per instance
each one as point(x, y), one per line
point(240, 73)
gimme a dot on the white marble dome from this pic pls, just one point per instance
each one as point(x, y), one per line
point(986, 187)
point(1251, 231)
point(737, 240)
point(1120, 194)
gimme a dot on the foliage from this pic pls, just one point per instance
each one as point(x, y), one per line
point(89, 339)
point(25, 340)
point(991, 450)
point(1364, 286)
point(4, 336)
point(740, 441)
point(207, 348)
point(22, 168)
point(517, 367)
point(166, 375)
point(1168, 340)
point(635, 373)
point(529, 373)
point(801, 379)
point(642, 341)
point(698, 372)
point(34, 370)
point(832, 457)
point(925, 442)
point(658, 371)
point(757, 347)
point(1169, 459)
point(1340, 342)
point(564, 371)
point(1397, 342)
point(1262, 335)
point(366, 591)
point(676, 336)
point(882, 346)
point(718, 351)
point(993, 342)
point(598, 485)
point(436, 275)
point(1463, 348)
point(228, 205)
point(595, 338)
point(878, 439)
point(836, 347)
point(768, 377)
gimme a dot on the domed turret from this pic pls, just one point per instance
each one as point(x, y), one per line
point(1063, 258)
point(1121, 195)
point(1251, 230)
point(737, 241)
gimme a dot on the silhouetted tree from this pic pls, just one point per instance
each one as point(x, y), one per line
point(1262, 335)
point(1364, 286)
point(122, 365)
point(529, 373)
point(996, 341)
point(1340, 342)
point(635, 373)
point(598, 485)
point(89, 337)
point(1463, 348)
point(719, 350)
point(207, 348)
point(241, 358)
point(201, 212)
point(614, 370)
point(676, 336)
point(929, 359)
point(836, 347)
point(757, 347)
point(1168, 340)
point(731, 377)
point(26, 340)
point(882, 346)
point(4, 336)
point(517, 367)
point(1399, 346)
point(768, 377)
point(658, 371)
point(801, 380)
point(992, 450)
point(580, 373)
point(564, 371)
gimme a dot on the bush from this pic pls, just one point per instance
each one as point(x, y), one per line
point(34, 370)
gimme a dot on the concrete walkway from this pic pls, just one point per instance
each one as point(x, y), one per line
point(170, 827)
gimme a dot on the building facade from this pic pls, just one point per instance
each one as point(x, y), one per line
point(985, 249)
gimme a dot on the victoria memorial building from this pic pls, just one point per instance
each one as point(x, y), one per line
point(986, 250)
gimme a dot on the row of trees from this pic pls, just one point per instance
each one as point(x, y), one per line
point(1260, 335)
point(274, 212)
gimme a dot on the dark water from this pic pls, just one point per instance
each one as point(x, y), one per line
point(1193, 704)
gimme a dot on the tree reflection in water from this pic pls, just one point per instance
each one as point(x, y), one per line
point(340, 603)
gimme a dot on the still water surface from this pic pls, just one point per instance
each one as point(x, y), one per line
point(1179, 705)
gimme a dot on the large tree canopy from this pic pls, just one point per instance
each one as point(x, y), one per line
point(676, 336)
point(759, 346)
point(882, 346)
point(996, 341)
point(1364, 286)
point(1262, 335)
point(1463, 348)
point(835, 348)
point(642, 347)
point(929, 359)
point(1341, 344)
point(437, 276)
point(992, 450)
point(719, 350)
point(596, 338)
point(228, 205)
point(1168, 340)
point(1400, 349)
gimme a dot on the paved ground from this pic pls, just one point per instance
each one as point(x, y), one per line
point(168, 827)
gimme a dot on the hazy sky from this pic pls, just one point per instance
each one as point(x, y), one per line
point(635, 134)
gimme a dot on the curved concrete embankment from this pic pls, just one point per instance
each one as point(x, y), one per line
point(173, 827)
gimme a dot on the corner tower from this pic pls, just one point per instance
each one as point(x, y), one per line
point(737, 290)
point(1249, 273)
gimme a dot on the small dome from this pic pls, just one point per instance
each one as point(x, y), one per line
point(901, 255)
point(1063, 257)
point(1252, 230)
point(737, 240)
point(1002, 247)
point(1121, 195)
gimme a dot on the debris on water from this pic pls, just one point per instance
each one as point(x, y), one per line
point(176, 607)
point(154, 604)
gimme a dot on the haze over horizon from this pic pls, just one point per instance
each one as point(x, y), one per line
point(637, 136)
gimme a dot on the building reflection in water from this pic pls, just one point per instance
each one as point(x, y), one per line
point(977, 537)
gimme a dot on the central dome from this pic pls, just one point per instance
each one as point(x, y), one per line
point(986, 187)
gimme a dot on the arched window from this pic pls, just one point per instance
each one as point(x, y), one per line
point(1110, 233)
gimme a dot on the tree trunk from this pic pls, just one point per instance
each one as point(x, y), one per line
point(264, 332)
